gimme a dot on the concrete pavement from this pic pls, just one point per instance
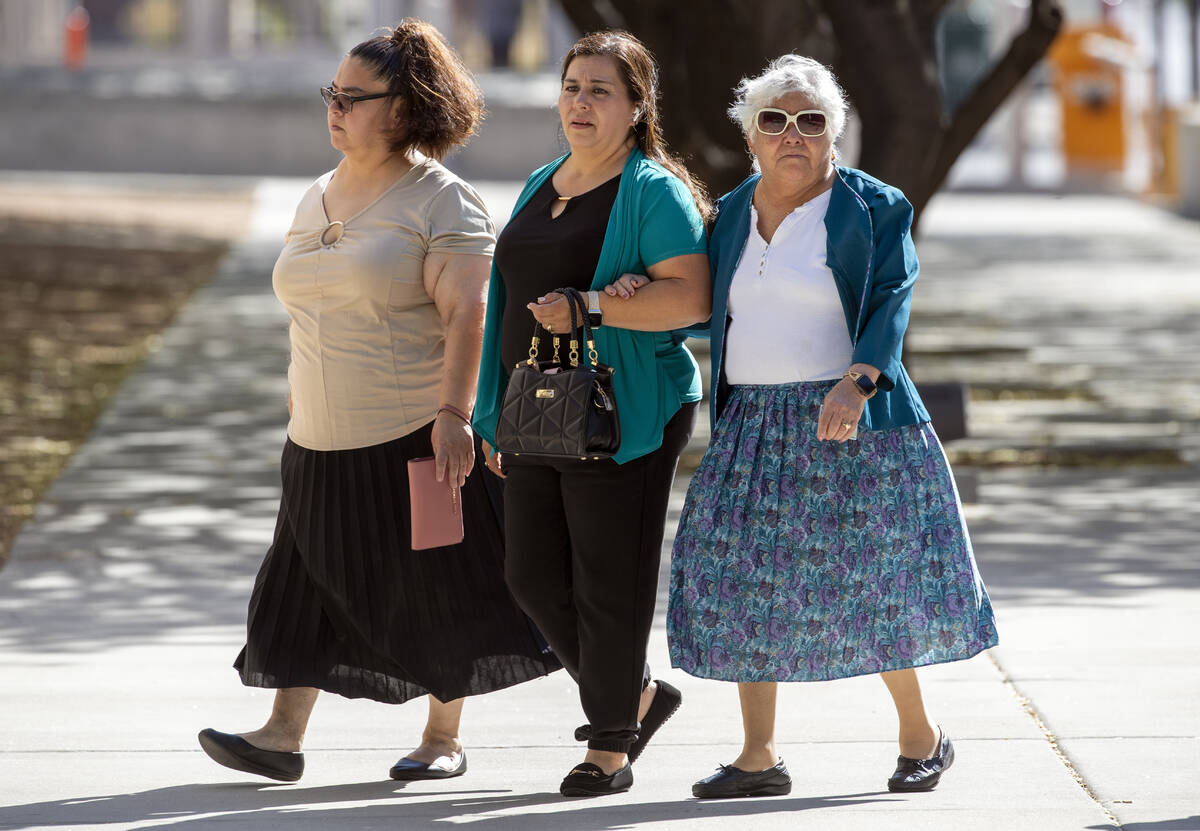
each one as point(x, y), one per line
point(125, 600)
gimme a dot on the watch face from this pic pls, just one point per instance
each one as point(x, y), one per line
point(866, 385)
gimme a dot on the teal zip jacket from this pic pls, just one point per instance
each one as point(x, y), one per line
point(874, 264)
point(653, 219)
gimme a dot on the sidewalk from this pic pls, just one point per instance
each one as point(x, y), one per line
point(125, 600)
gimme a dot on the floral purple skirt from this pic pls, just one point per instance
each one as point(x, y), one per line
point(806, 560)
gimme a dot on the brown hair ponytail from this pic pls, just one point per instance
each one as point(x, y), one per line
point(442, 105)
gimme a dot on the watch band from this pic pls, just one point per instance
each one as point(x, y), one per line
point(595, 316)
point(865, 386)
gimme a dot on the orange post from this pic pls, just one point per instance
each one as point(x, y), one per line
point(76, 35)
point(1088, 73)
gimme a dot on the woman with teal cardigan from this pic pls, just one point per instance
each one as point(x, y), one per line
point(583, 537)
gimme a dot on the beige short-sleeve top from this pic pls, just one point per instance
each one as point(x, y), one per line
point(367, 341)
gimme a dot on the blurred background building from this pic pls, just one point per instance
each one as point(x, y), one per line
point(228, 86)
point(519, 33)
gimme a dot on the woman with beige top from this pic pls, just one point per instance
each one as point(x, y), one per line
point(384, 275)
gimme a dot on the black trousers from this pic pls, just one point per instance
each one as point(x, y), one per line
point(583, 543)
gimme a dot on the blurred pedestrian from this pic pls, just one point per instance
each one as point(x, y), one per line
point(383, 274)
point(822, 536)
point(500, 21)
point(584, 536)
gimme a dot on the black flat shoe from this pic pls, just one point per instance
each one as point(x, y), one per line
point(923, 774)
point(410, 769)
point(666, 701)
point(588, 779)
point(730, 782)
point(237, 753)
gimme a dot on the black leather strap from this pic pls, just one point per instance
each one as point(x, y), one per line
point(579, 319)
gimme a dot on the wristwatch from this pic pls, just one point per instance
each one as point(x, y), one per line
point(595, 317)
point(865, 386)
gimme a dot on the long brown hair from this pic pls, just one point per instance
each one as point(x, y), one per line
point(441, 103)
point(640, 74)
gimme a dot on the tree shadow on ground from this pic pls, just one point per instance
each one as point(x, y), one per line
point(162, 518)
point(1087, 537)
point(1182, 824)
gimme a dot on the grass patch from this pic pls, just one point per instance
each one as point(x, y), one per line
point(80, 306)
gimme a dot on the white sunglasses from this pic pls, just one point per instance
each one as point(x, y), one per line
point(773, 121)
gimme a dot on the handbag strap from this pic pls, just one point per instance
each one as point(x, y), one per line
point(575, 299)
point(579, 320)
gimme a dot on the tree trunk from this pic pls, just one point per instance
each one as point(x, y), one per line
point(896, 92)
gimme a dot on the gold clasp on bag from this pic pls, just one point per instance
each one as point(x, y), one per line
point(544, 393)
point(601, 400)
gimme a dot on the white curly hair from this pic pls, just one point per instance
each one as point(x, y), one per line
point(790, 73)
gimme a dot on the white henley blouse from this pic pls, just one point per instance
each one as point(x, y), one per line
point(787, 323)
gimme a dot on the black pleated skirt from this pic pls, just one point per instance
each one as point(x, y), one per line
point(342, 602)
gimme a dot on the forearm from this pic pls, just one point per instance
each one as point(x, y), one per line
point(460, 364)
point(660, 306)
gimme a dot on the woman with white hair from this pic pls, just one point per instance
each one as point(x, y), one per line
point(822, 535)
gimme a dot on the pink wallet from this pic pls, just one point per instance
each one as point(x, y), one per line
point(435, 507)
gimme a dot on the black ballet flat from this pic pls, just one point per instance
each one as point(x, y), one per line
point(237, 753)
point(729, 782)
point(922, 774)
point(666, 701)
point(410, 769)
point(588, 779)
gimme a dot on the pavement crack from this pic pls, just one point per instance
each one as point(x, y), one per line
point(1026, 704)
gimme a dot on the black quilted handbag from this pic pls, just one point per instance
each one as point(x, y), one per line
point(561, 409)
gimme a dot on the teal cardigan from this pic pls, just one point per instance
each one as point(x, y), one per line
point(870, 252)
point(653, 219)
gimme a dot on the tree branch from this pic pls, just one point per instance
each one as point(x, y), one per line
point(1026, 49)
point(889, 72)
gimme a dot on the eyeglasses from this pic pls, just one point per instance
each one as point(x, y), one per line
point(774, 122)
point(344, 102)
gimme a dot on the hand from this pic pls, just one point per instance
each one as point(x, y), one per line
point(492, 459)
point(552, 312)
point(453, 449)
point(626, 285)
point(843, 408)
